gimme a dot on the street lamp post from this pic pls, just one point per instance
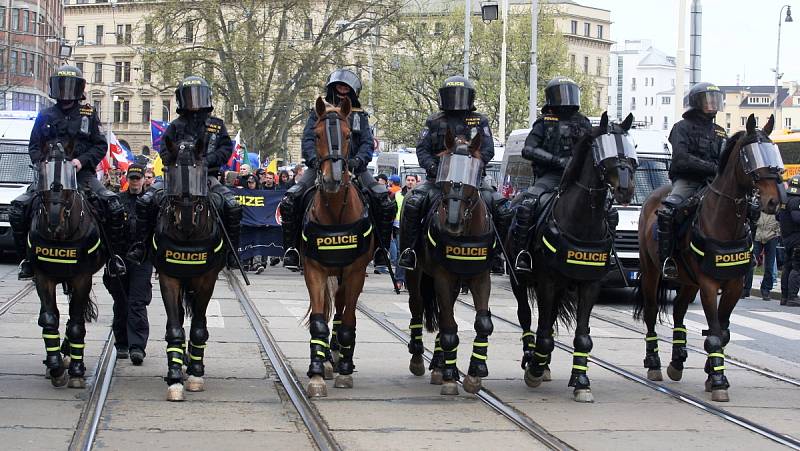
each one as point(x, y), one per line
point(778, 74)
point(467, 30)
point(534, 69)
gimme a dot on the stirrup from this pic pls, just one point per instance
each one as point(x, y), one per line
point(288, 258)
point(519, 268)
point(25, 275)
point(413, 253)
point(669, 271)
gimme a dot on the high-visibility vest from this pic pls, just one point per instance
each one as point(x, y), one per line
point(398, 197)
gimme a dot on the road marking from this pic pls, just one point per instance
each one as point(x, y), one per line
point(791, 317)
point(214, 315)
point(698, 327)
point(766, 327)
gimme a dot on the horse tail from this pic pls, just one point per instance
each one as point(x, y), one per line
point(663, 299)
point(638, 299)
point(187, 296)
point(430, 304)
point(566, 306)
point(331, 286)
point(90, 312)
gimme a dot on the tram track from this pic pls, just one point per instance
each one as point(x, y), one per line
point(316, 426)
point(678, 395)
point(89, 421)
point(487, 397)
point(24, 291)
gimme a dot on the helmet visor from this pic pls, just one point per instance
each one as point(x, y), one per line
point(614, 146)
point(708, 102)
point(345, 77)
point(566, 94)
point(195, 97)
point(66, 88)
point(761, 155)
point(456, 98)
point(462, 169)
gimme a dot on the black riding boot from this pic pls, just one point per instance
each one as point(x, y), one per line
point(385, 217)
point(290, 225)
point(18, 218)
point(25, 266)
point(409, 230)
point(520, 233)
point(669, 269)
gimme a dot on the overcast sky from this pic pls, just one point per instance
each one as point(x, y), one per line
point(739, 36)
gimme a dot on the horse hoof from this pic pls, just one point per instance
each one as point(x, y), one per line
point(655, 375)
point(583, 395)
point(449, 388)
point(317, 388)
point(417, 366)
point(175, 392)
point(343, 381)
point(673, 373)
point(328, 370)
point(708, 385)
point(436, 377)
point(720, 395)
point(58, 381)
point(194, 384)
point(472, 384)
point(546, 376)
point(533, 381)
point(77, 382)
point(66, 360)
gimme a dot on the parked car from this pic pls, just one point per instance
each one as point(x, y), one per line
point(16, 173)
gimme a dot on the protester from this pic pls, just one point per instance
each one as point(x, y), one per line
point(268, 181)
point(382, 179)
point(249, 182)
point(765, 241)
point(284, 180)
point(394, 184)
point(149, 178)
point(244, 170)
point(399, 272)
point(411, 182)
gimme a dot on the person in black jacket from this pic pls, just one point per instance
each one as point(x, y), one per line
point(697, 144)
point(789, 218)
point(70, 121)
point(194, 122)
point(341, 83)
point(458, 115)
point(549, 148)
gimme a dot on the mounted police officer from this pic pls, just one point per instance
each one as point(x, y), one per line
point(697, 144)
point(789, 218)
point(458, 115)
point(70, 121)
point(194, 122)
point(342, 83)
point(549, 147)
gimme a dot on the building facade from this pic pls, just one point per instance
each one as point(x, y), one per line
point(742, 101)
point(30, 40)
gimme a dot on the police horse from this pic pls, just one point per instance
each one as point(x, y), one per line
point(337, 244)
point(571, 249)
point(188, 252)
point(714, 254)
point(456, 249)
point(64, 247)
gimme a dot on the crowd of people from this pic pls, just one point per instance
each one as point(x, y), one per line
point(260, 178)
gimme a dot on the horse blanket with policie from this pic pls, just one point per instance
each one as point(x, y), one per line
point(62, 258)
point(722, 260)
point(337, 245)
point(462, 255)
point(187, 259)
point(574, 258)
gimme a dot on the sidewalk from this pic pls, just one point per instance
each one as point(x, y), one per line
point(755, 290)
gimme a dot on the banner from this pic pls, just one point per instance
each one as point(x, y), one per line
point(157, 129)
point(264, 241)
point(259, 207)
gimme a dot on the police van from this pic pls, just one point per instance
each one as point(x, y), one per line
point(654, 153)
point(16, 173)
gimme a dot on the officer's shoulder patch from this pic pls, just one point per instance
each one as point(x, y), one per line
point(214, 124)
point(720, 131)
point(473, 119)
point(550, 118)
point(86, 110)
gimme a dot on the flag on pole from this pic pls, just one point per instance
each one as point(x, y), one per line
point(235, 161)
point(157, 129)
point(273, 166)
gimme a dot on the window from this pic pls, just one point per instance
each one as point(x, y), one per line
point(118, 71)
point(12, 64)
point(599, 67)
point(165, 110)
point(128, 34)
point(757, 121)
point(666, 100)
point(79, 65)
point(744, 121)
point(2, 17)
point(2, 64)
point(26, 20)
point(120, 31)
point(96, 104)
point(633, 103)
point(646, 81)
point(121, 110)
point(599, 97)
point(587, 29)
point(98, 72)
point(81, 34)
point(759, 100)
point(308, 29)
point(585, 64)
point(126, 74)
point(146, 111)
point(652, 101)
point(787, 123)
point(574, 27)
point(98, 35)
point(189, 28)
point(15, 19)
point(599, 32)
point(666, 123)
point(147, 72)
point(572, 63)
point(148, 33)
point(633, 84)
point(21, 101)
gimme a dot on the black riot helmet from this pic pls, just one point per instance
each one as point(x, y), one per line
point(457, 94)
point(794, 186)
point(343, 77)
point(705, 98)
point(193, 94)
point(67, 83)
point(561, 94)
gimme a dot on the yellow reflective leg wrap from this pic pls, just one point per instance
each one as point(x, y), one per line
point(175, 353)
point(52, 343)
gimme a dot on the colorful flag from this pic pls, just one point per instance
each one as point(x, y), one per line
point(235, 161)
point(157, 129)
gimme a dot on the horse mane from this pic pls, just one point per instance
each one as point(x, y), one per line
point(726, 153)
point(573, 169)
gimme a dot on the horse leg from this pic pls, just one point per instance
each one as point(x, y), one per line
point(716, 383)
point(198, 332)
point(648, 298)
point(534, 372)
point(337, 321)
point(316, 281)
point(582, 343)
point(679, 353)
point(171, 292)
point(446, 285)
point(76, 329)
point(480, 287)
point(48, 321)
point(416, 347)
point(347, 330)
point(524, 316)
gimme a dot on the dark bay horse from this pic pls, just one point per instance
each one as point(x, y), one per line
point(188, 253)
point(456, 250)
point(571, 249)
point(64, 247)
point(713, 255)
point(338, 242)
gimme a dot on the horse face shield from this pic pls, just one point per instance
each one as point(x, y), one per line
point(188, 177)
point(337, 156)
point(615, 155)
point(57, 174)
point(762, 161)
point(458, 170)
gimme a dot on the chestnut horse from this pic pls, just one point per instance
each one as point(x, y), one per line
point(720, 220)
point(338, 242)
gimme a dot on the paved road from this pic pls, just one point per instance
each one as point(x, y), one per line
point(245, 407)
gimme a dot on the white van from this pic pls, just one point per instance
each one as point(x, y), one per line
point(16, 173)
point(654, 154)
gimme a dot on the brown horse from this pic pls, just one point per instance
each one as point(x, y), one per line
point(456, 251)
point(712, 256)
point(338, 242)
point(64, 247)
point(188, 254)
